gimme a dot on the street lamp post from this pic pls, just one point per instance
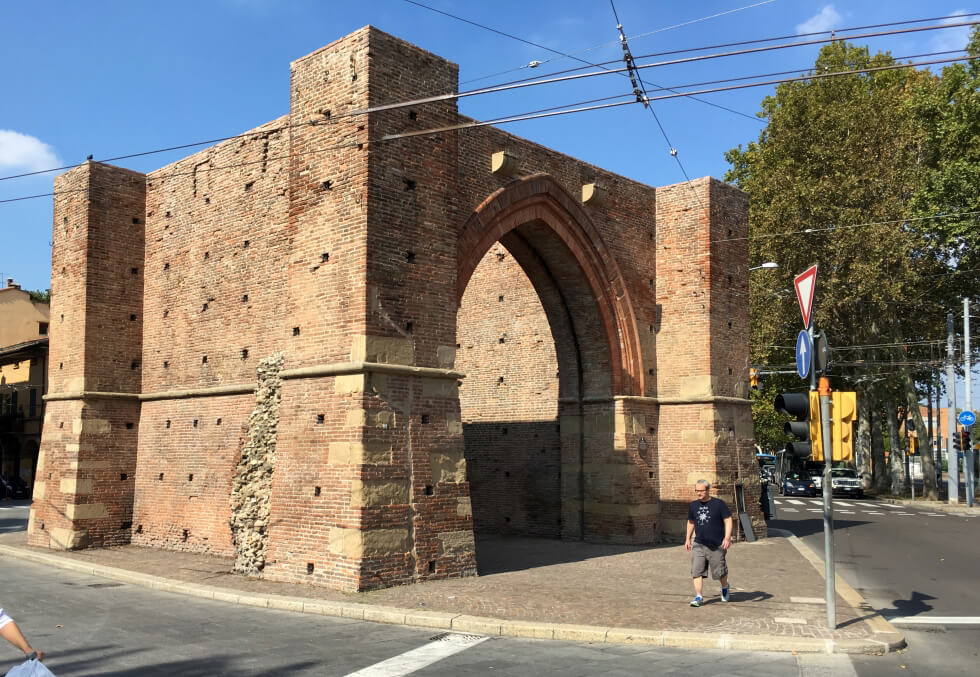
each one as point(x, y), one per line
point(767, 265)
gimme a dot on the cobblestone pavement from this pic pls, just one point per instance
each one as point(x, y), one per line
point(776, 590)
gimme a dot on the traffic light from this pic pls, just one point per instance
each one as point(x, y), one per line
point(843, 416)
point(957, 442)
point(966, 439)
point(753, 378)
point(805, 407)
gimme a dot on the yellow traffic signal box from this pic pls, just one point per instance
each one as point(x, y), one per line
point(842, 428)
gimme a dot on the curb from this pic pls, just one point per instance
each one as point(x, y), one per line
point(481, 625)
point(888, 638)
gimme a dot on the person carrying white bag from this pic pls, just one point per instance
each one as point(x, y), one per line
point(32, 667)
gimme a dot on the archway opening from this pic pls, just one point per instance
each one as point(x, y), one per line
point(537, 361)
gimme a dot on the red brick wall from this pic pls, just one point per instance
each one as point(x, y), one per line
point(509, 401)
point(314, 237)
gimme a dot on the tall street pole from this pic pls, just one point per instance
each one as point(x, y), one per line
point(968, 405)
point(828, 508)
point(953, 476)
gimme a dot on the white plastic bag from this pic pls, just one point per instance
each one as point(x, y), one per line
point(31, 668)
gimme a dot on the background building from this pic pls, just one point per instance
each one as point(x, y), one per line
point(24, 326)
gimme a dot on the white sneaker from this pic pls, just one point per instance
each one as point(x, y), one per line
point(725, 595)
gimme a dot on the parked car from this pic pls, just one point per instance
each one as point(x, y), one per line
point(846, 481)
point(797, 483)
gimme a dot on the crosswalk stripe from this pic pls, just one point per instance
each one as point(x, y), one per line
point(790, 509)
point(411, 661)
point(869, 512)
point(846, 505)
point(796, 502)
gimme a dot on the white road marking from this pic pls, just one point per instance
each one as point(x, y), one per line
point(814, 509)
point(425, 655)
point(846, 512)
point(807, 600)
point(888, 505)
point(795, 621)
point(846, 505)
point(903, 513)
point(934, 620)
point(796, 502)
point(789, 509)
point(869, 512)
point(825, 665)
point(934, 514)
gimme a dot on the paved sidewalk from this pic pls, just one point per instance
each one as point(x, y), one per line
point(553, 590)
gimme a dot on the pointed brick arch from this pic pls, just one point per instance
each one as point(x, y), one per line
point(540, 198)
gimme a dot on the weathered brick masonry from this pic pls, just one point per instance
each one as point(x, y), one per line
point(336, 356)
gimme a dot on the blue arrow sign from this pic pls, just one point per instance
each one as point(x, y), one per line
point(967, 418)
point(804, 354)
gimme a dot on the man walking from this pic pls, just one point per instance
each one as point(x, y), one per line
point(709, 535)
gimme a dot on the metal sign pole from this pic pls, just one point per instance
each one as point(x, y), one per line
point(828, 507)
point(968, 405)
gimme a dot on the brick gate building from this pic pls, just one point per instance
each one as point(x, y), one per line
point(336, 346)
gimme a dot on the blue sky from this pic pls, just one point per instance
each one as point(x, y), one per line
point(112, 78)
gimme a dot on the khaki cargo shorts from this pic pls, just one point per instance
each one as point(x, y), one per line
point(703, 558)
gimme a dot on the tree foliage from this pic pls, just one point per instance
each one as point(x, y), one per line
point(850, 173)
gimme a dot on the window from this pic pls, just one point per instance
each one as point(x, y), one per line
point(42, 328)
point(33, 403)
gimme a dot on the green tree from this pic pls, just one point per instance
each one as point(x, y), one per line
point(831, 180)
point(40, 296)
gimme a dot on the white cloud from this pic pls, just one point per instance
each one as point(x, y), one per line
point(20, 151)
point(951, 38)
point(826, 19)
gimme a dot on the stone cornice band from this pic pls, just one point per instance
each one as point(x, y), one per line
point(700, 399)
point(336, 369)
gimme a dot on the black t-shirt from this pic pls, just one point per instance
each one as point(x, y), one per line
point(708, 518)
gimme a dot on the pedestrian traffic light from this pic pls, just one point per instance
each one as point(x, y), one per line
point(753, 378)
point(806, 428)
point(842, 425)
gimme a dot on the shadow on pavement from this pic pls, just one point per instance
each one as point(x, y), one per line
point(91, 661)
point(497, 554)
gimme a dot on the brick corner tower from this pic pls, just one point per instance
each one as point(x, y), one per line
point(84, 489)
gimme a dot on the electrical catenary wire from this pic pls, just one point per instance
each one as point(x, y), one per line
point(548, 113)
point(837, 32)
point(640, 91)
point(559, 52)
point(515, 85)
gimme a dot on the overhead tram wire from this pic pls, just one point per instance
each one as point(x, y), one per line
point(551, 113)
point(517, 84)
point(808, 231)
point(835, 35)
point(564, 54)
point(731, 44)
point(639, 90)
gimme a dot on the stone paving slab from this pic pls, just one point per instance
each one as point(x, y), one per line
point(548, 589)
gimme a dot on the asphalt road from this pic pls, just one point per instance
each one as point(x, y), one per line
point(94, 626)
point(91, 626)
point(917, 567)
